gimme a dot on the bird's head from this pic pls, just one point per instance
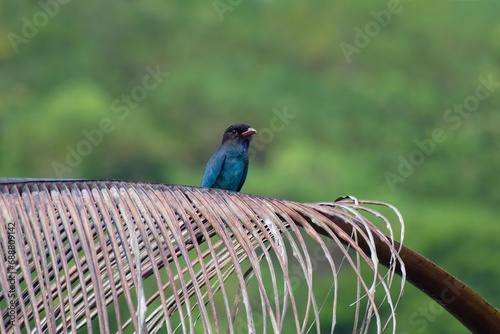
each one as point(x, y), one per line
point(238, 133)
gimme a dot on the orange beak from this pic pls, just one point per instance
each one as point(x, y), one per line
point(249, 132)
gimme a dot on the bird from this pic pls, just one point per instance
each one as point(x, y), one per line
point(228, 167)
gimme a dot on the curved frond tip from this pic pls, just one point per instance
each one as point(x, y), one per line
point(137, 257)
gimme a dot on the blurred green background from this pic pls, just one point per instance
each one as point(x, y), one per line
point(390, 101)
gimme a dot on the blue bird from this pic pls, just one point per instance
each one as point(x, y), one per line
point(228, 166)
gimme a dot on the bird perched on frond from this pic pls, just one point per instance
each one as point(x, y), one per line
point(228, 166)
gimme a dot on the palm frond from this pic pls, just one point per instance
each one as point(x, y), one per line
point(138, 257)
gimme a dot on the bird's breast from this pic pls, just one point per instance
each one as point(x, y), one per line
point(237, 152)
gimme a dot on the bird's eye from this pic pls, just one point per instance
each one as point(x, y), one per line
point(234, 132)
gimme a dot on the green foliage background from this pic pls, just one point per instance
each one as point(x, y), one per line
point(350, 121)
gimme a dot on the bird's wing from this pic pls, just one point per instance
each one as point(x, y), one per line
point(243, 178)
point(214, 166)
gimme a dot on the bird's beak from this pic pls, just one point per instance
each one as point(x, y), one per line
point(249, 132)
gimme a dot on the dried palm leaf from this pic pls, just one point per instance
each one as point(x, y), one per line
point(137, 257)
